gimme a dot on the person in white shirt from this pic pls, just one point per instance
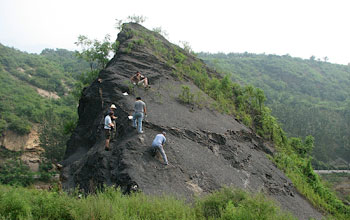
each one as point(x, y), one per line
point(108, 126)
point(158, 143)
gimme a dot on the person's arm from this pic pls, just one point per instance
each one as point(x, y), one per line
point(145, 109)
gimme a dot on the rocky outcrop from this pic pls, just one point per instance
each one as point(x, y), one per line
point(27, 144)
point(206, 149)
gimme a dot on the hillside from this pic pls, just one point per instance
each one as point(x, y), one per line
point(206, 149)
point(30, 84)
point(308, 97)
point(34, 89)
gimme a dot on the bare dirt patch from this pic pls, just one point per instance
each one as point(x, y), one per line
point(47, 94)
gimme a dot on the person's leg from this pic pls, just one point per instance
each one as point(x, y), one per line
point(134, 120)
point(162, 152)
point(113, 131)
point(139, 121)
point(153, 150)
point(108, 136)
point(146, 82)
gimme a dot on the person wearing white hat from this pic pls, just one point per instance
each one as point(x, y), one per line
point(113, 118)
point(108, 126)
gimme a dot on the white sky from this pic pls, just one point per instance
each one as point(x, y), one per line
point(300, 28)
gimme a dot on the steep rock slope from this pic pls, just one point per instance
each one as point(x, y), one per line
point(206, 149)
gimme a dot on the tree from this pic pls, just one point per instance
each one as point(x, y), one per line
point(260, 96)
point(139, 19)
point(160, 31)
point(52, 137)
point(186, 46)
point(95, 52)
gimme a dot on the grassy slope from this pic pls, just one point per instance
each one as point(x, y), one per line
point(53, 71)
point(20, 203)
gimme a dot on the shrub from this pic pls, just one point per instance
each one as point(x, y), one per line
point(186, 96)
point(45, 168)
point(257, 207)
point(3, 125)
point(213, 205)
point(13, 204)
point(14, 172)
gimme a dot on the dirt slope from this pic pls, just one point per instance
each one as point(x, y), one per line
point(206, 149)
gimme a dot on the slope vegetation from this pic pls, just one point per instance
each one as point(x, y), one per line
point(31, 84)
point(308, 97)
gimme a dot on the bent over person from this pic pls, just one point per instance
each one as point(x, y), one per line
point(108, 126)
point(158, 143)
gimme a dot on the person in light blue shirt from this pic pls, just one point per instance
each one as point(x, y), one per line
point(108, 126)
point(158, 143)
point(139, 112)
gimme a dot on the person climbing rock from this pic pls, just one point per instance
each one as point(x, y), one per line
point(108, 126)
point(139, 113)
point(158, 143)
point(139, 79)
point(113, 118)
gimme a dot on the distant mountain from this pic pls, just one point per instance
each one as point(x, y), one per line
point(308, 97)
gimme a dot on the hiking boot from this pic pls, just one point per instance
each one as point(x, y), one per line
point(141, 132)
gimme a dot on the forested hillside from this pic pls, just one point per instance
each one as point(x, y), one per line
point(309, 97)
point(31, 85)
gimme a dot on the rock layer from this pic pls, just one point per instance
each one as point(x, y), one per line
point(206, 149)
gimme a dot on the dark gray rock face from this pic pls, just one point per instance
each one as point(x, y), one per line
point(206, 149)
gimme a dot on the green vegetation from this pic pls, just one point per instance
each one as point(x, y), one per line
point(186, 96)
point(340, 183)
point(21, 75)
point(53, 137)
point(20, 203)
point(308, 97)
point(14, 172)
point(97, 54)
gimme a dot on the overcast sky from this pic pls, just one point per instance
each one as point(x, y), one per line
point(300, 28)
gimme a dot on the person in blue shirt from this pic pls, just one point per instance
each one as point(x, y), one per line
point(140, 112)
point(158, 143)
